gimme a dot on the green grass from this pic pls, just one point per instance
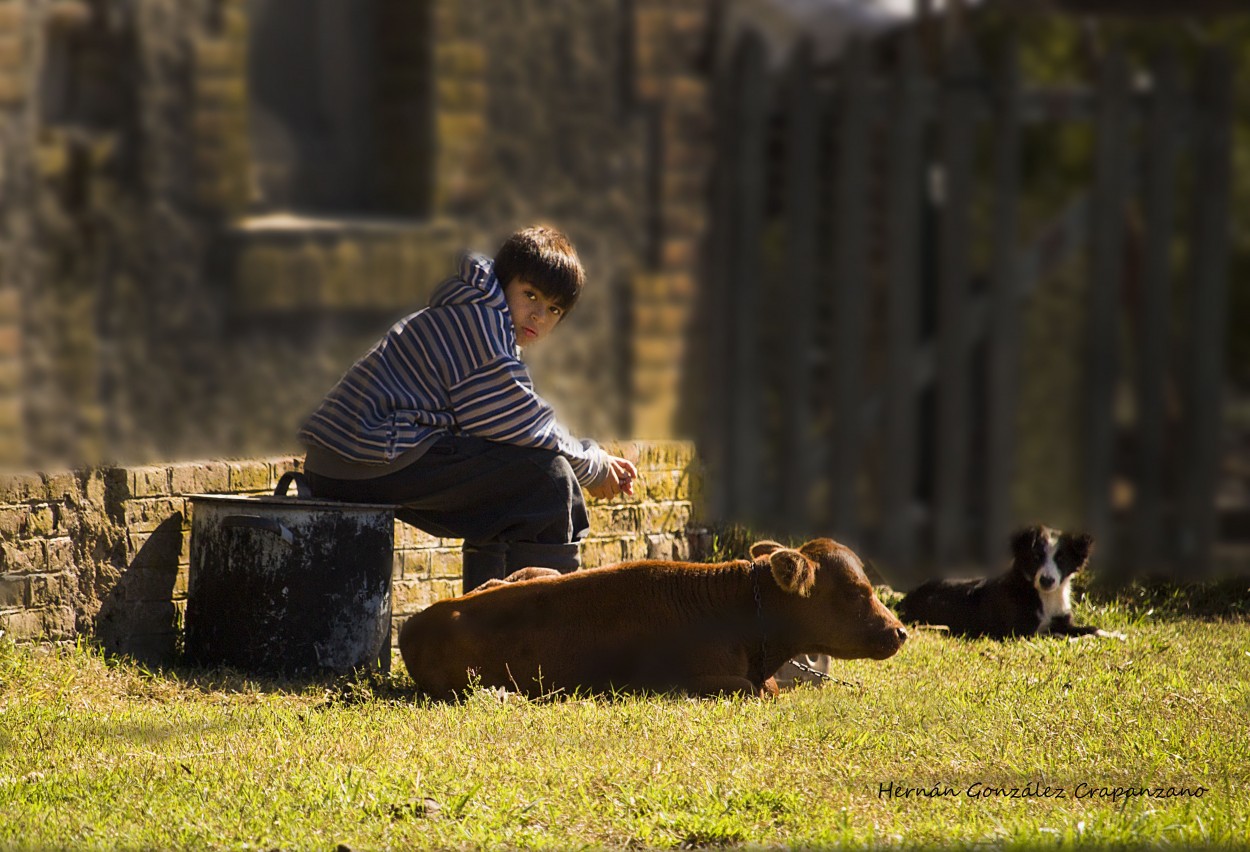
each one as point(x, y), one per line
point(101, 754)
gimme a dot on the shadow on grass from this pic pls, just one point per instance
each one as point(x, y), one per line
point(358, 687)
point(1219, 600)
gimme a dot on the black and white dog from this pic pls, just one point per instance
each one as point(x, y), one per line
point(1034, 596)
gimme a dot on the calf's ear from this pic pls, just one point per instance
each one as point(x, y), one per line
point(793, 571)
point(763, 548)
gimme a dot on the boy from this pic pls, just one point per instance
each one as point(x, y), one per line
point(441, 418)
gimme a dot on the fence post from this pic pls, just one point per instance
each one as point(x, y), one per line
point(1004, 327)
point(799, 297)
point(1106, 268)
point(906, 189)
point(746, 201)
point(1153, 318)
point(850, 288)
point(1209, 263)
point(951, 464)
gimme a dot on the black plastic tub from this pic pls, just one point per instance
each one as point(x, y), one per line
point(289, 585)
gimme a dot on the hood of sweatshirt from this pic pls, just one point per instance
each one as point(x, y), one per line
point(473, 283)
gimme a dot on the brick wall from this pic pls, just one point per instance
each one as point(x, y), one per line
point(13, 80)
point(460, 165)
point(219, 95)
point(14, 136)
point(670, 39)
point(368, 267)
point(104, 553)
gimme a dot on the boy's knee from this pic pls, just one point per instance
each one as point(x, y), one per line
point(564, 505)
point(560, 473)
point(558, 467)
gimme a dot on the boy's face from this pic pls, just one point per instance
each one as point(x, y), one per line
point(533, 314)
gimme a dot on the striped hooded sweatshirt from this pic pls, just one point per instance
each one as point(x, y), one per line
point(453, 366)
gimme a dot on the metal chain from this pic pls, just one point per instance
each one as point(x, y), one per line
point(803, 667)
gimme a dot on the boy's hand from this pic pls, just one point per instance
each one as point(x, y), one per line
point(626, 473)
point(620, 479)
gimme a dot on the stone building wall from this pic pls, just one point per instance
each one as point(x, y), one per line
point(158, 300)
point(185, 269)
point(103, 553)
point(103, 243)
point(16, 165)
point(673, 56)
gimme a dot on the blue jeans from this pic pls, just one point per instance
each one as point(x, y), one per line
point(514, 507)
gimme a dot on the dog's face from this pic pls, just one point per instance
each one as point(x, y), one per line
point(1047, 558)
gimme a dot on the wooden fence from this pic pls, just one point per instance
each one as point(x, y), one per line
point(867, 284)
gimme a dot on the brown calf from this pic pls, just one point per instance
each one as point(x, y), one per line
point(654, 626)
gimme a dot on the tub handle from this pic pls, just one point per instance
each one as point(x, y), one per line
point(256, 522)
point(302, 489)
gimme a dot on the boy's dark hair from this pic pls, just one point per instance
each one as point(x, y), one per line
point(543, 257)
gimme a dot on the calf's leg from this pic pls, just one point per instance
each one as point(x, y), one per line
point(521, 576)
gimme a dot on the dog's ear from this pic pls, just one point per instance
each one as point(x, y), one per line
point(1080, 546)
point(1026, 544)
point(793, 571)
point(763, 548)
